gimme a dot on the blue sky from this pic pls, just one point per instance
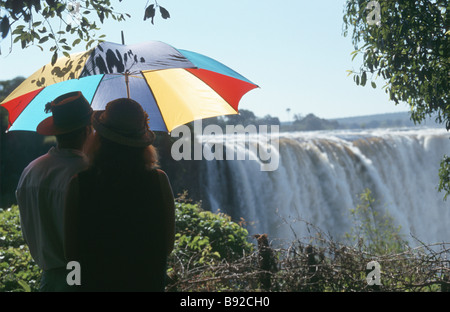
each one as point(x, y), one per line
point(293, 49)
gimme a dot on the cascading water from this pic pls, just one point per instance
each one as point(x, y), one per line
point(320, 176)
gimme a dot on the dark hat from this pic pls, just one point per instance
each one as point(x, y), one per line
point(125, 122)
point(70, 112)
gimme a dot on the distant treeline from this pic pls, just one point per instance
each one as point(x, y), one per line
point(313, 123)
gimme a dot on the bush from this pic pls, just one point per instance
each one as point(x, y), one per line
point(18, 271)
point(212, 253)
point(228, 239)
point(202, 238)
point(375, 232)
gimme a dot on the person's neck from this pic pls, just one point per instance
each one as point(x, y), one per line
point(78, 147)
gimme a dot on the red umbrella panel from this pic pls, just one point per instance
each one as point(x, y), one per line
point(174, 86)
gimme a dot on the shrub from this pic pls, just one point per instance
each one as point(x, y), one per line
point(375, 232)
point(202, 238)
point(212, 254)
point(228, 239)
point(18, 271)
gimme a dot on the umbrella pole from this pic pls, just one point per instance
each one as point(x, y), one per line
point(127, 83)
point(127, 80)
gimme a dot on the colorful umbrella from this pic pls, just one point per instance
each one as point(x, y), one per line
point(173, 86)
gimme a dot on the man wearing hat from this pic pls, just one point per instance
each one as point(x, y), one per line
point(43, 184)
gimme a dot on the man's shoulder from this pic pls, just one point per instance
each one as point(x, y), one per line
point(50, 165)
point(37, 162)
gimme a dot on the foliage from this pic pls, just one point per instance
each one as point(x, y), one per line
point(10, 231)
point(313, 123)
point(34, 22)
point(320, 264)
point(150, 12)
point(444, 175)
point(204, 238)
point(212, 254)
point(34, 19)
point(18, 271)
point(17, 149)
point(374, 231)
point(6, 87)
point(408, 47)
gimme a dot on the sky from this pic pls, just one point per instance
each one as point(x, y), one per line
point(293, 50)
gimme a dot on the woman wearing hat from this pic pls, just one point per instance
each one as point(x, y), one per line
point(119, 221)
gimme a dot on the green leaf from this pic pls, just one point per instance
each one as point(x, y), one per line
point(54, 57)
point(150, 12)
point(24, 285)
point(164, 13)
point(17, 31)
point(374, 85)
point(4, 26)
point(363, 79)
point(43, 39)
point(23, 41)
point(76, 41)
point(88, 45)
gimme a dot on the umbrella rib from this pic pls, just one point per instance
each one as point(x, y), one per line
point(96, 89)
point(122, 74)
point(156, 101)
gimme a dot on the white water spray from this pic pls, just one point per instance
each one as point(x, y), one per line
point(321, 175)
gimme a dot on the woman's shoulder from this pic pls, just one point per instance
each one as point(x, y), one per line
point(157, 171)
point(161, 172)
point(159, 175)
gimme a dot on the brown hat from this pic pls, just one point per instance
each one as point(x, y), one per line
point(125, 122)
point(70, 112)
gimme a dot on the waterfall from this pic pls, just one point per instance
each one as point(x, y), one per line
point(321, 174)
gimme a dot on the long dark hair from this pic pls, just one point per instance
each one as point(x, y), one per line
point(111, 158)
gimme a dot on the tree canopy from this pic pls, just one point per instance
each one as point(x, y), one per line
point(406, 42)
point(35, 22)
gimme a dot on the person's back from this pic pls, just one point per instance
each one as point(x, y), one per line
point(120, 214)
point(123, 239)
point(42, 187)
point(40, 194)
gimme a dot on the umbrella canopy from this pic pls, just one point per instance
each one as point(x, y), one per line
point(174, 86)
